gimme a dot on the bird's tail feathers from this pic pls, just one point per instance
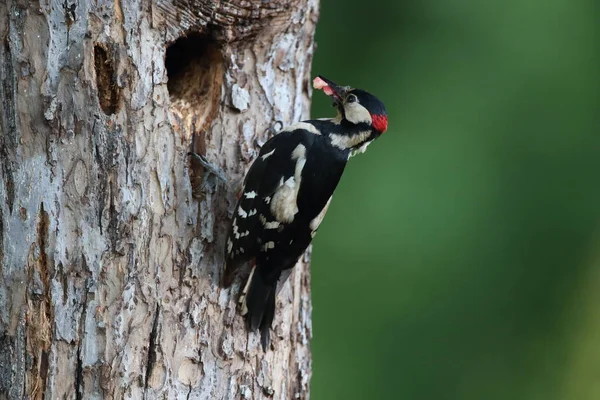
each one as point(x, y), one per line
point(258, 305)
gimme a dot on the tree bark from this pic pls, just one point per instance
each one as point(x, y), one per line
point(111, 237)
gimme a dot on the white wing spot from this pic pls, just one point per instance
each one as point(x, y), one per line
point(242, 213)
point(268, 199)
point(235, 229)
point(271, 225)
point(252, 212)
point(284, 203)
point(268, 245)
point(299, 152)
point(250, 195)
point(262, 219)
point(264, 157)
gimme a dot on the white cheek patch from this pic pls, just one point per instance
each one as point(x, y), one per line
point(345, 142)
point(357, 114)
point(284, 202)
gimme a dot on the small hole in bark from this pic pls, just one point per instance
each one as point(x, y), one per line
point(194, 65)
point(108, 91)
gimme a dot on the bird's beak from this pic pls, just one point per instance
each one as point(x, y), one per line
point(330, 88)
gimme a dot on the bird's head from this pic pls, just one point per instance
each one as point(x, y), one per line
point(356, 106)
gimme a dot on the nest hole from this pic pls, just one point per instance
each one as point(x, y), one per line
point(195, 68)
point(106, 82)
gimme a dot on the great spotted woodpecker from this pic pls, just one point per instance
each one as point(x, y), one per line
point(286, 194)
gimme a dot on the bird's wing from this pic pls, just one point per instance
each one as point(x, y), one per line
point(273, 167)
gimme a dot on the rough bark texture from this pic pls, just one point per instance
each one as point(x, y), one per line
point(111, 237)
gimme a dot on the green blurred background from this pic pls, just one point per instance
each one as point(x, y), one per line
point(460, 258)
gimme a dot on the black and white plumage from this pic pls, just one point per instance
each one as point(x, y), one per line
point(286, 194)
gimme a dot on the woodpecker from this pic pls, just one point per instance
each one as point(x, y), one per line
point(287, 191)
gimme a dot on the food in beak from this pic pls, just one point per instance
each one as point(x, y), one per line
point(319, 83)
point(330, 88)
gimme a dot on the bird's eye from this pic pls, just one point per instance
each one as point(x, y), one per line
point(351, 99)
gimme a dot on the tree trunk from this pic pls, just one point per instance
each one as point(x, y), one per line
point(111, 237)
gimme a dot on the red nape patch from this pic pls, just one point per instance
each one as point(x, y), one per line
point(379, 122)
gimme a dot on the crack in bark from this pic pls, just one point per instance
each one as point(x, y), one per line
point(64, 282)
point(113, 220)
point(8, 124)
point(44, 368)
point(152, 347)
point(78, 384)
point(101, 170)
point(108, 91)
point(39, 319)
point(79, 389)
point(79, 381)
point(1, 250)
point(43, 232)
point(6, 360)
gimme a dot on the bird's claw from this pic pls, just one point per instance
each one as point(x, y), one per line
point(210, 168)
point(272, 130)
